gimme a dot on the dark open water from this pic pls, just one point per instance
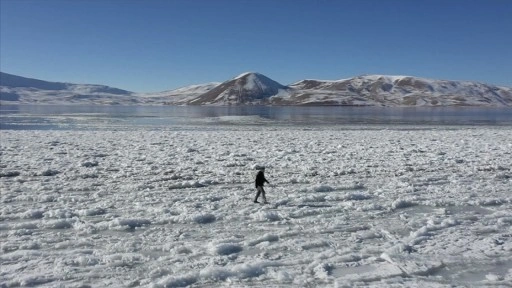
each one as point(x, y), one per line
point(42, 117)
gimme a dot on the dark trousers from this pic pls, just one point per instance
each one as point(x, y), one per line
point(262, 192)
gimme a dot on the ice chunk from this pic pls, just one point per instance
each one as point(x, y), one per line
point(227, 248)
point(204, 218)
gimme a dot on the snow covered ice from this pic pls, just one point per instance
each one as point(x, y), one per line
point(423, 206)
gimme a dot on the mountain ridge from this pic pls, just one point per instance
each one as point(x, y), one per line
point(252, 88)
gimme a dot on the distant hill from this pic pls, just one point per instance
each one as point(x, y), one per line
point(256, 89)
point(27, 90)
point(178, 96)
point(381, 90)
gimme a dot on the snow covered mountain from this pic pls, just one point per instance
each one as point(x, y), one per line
point(247, 88)
point(380, 90)
point(178, 96)
point(19, 89)
point(256, 89)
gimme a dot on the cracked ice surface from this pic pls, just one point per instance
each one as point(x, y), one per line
point(352, 205)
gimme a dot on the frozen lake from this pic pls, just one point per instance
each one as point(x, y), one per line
point(111, 117)
point(161, 199)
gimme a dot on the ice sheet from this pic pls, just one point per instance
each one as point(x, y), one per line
point(386, 206)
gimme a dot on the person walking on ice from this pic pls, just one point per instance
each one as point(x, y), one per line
point(260, 181)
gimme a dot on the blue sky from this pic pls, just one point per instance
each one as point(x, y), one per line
point(156, 45)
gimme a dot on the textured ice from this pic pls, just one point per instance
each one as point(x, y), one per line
point(379, 206)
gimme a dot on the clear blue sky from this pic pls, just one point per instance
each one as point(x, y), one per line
point(156, 45)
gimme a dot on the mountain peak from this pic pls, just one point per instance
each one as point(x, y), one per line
point(246, 88)
point(248, 74)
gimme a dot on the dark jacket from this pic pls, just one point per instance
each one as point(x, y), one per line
point(260, 179)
